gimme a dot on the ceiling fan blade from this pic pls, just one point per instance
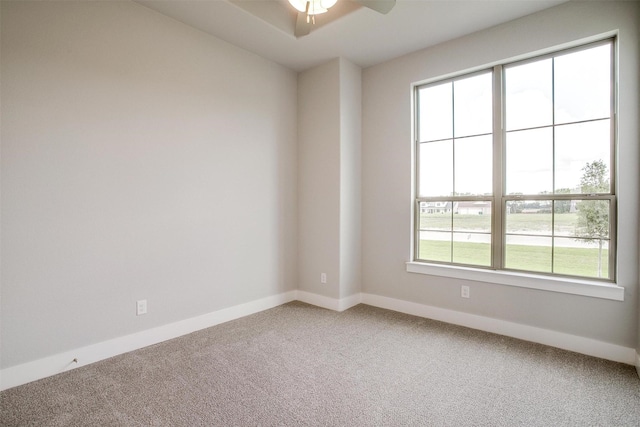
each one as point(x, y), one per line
point(302, 26)
point(382, 6)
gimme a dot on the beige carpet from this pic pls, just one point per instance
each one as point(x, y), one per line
point(298, 365)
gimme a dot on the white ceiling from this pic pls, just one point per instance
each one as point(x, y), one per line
point(359, 34)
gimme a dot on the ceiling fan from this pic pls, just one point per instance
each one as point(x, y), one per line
point(308, 9)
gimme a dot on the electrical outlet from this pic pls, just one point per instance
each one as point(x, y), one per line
point(141, 307)
point(323, 277)
point(464, 292)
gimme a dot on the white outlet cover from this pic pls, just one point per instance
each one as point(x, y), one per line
point(141, 307)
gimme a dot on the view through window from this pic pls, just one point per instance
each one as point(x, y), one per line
point(515, 166)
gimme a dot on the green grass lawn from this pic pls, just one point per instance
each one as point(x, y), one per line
point(571, 261)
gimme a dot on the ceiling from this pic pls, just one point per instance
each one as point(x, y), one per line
point(348, 30)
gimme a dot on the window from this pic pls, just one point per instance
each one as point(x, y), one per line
point(515, 167)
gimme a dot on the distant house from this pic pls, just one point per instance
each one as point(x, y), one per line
point(436, 207)
point(473, 208)
point(462, 208)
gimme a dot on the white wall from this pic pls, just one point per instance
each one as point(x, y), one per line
point(386, 169)
point(141, 159)
point(329, 139)
point(350, 178)
point(319, 179)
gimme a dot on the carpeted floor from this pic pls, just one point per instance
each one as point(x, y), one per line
point(299, 365)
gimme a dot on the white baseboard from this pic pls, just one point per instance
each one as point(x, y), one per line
point(327, 302)
point(45, 367)
point(350, 301)
point(51, 365)
point(548, 337)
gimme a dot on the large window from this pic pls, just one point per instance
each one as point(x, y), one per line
point(515, 166)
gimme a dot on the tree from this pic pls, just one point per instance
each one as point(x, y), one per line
point(562, 206)
point(595, 178)
point(516, 206)
point(593, 215)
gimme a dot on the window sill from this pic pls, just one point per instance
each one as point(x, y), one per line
point(523, 280)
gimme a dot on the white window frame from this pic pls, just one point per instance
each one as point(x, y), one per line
point(607, 289)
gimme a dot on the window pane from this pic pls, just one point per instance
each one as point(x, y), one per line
point(435, 216)
point(474, 216)
point(528, 98)
point(436, 169)
point(436, 112)
point(582, 219)
point(473, 165)
point(435, 246)
point(565, 217)
point(592, 220)
point(586, 259)
point(472, 248)
point(583, 85)
point(472, 233)
point(531, 253)
point(532, 217)
point(473, 109)
point(529, 161)
point(577, 146)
